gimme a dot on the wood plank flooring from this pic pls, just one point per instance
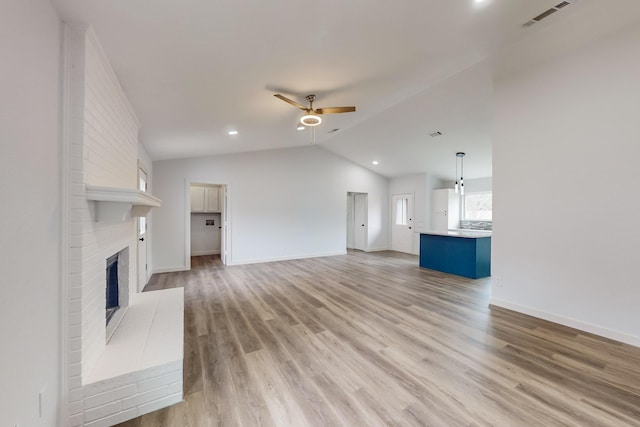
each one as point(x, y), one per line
point(370, 339)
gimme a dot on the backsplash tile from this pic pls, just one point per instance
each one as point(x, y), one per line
point(476, 225)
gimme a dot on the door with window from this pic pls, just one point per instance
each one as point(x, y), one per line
point(142, 236)
point(402, 233)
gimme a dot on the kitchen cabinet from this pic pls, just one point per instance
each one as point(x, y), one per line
point(205, 198)
point(446, 209)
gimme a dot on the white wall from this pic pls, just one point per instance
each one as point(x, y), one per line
point(288, 203)
point(205, 239)
point(473, 185)
point(30, 217)
point(564, 240)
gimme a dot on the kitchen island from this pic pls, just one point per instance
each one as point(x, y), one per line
point(465, 253)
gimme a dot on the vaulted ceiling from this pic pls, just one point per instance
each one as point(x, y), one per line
point(194, 69)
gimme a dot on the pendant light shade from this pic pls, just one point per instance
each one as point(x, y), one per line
point(460, 183)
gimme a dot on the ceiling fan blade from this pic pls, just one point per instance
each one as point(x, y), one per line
point(335, 110)
point(294, 103)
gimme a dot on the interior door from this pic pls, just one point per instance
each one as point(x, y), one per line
point(142, 236)
point(402, 233)
point(360, 222)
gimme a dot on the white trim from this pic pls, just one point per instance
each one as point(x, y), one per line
point(187, 224)
point(187, 217)
point(65, 179)
point(381, 249)
point(262, 260)
point(169, 270)
point(567, 321)
point(202, 253)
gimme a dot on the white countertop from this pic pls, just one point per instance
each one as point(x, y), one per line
point(469, 234)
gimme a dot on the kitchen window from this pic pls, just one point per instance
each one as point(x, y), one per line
point(478, 206)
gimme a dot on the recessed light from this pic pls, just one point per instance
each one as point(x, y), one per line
point(233, 132)
point(375, 162)
point(301, 127)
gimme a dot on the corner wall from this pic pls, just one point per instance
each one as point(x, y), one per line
point(282, 204)
point(30, 216)
point(563, 242)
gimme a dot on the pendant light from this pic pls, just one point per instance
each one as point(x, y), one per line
point(460, 184)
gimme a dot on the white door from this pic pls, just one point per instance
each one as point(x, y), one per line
point(223, 224)
point(350, 221)
point(142, 237)
point(360, 222)
point(402, 233)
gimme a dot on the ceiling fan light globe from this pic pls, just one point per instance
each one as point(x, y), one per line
point(310, 120)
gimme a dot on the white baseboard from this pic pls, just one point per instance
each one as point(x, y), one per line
point(169, 270)
point(566, 321)
point(377, 249)
point(206, 253)
point(261, 260)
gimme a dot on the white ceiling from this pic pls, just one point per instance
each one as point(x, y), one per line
point(195, 69)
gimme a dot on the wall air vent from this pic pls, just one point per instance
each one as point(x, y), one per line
point(546, 13)
point(435, 134)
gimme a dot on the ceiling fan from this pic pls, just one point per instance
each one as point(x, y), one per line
point(312, 116)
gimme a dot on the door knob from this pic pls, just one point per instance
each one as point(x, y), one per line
point(363, 225)
point(141, 239)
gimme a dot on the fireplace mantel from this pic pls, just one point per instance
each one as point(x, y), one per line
point(121, 203)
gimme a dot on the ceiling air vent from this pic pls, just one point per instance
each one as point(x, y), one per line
point(435, 134)
point(546, 13)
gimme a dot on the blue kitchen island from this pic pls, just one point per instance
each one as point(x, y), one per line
point(465, 253)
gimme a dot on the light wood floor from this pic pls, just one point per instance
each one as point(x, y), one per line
point(373, 340)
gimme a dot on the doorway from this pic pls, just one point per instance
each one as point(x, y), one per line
point(402, 233)
point(206, 222)
point(357, 210)
point(142, 236)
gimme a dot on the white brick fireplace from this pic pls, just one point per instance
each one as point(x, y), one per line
point(140, 368)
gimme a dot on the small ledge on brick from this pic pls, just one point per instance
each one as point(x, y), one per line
point(141, 368)
point(121, 203)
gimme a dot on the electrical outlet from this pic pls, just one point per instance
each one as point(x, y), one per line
point(498, 281)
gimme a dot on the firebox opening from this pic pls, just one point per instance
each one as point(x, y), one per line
point(113, 294)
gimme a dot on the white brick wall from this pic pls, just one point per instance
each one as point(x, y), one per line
point(128, 396)
point(103, 151)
